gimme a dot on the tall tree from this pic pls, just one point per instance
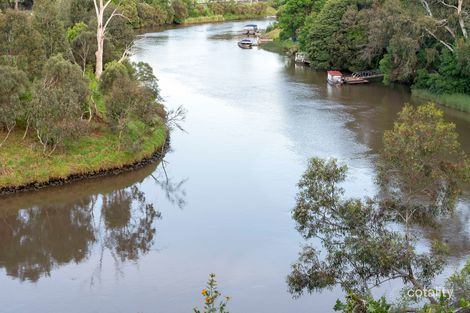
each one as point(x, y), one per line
point(58, 101)
point(441, 15)
point(368, 242)
point(46, 20)
point(12, 88)
point(21, 43)
point(102, 25)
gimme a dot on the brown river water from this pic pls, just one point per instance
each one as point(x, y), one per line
point(145, 241)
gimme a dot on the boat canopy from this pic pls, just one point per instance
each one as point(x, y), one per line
point(335, 73)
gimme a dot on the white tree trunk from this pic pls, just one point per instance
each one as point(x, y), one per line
point(461, 20)
point(100, 8)
point(99, 54)
point(17, 5)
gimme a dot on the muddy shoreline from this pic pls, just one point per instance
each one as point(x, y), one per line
point(33, 186)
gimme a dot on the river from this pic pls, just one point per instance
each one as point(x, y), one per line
point(220, 202)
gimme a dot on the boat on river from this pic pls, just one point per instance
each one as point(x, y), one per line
point(246, 43)
point(335, 78)
point(250, 29)
point(301, 58)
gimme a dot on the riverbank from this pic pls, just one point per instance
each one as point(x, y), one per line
point(275, 44)
point(23, 166)
point(270, 11)
point(456, 101)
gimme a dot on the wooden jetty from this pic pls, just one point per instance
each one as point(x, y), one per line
point(362, 77)
point(302, 58)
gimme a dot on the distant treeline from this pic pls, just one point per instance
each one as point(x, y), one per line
point(423, 43)
point(149, 13)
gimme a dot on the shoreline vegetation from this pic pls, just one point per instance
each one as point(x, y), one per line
point(74, 108)
point(228, 15)
point(422, 44)
point(458, 101)
point(72, 105)
point(27, 168)
point(222, 18)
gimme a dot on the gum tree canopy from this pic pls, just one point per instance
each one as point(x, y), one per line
point(368, 242)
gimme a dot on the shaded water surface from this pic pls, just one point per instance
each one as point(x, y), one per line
point(146, 241)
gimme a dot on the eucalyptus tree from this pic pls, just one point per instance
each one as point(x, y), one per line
point(366, 242)
point(446, 20)
point(21, 43)
point(47, 22)
point(58, 103)
point(82, 43)
point(12, 88)
point(103, 20)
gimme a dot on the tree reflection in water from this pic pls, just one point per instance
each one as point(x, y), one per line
point(36, 240)
point(128, 221)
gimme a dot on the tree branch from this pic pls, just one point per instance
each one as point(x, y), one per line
point(441, 41)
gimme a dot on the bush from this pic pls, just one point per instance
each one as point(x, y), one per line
point(21, 42)
point(150, 15)
point(130, 109)
point(112, 72)
point(200, 9)
point(12, 87)
point(57, 103)
point(181, 11)
point(211, 296)
point(217, 8)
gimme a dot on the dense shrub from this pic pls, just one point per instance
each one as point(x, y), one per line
point(181, 11)
point(57, 104)
point(21, 43)
point(217, 8)
point(151, 15)
point(112, 72)
point(13, 85)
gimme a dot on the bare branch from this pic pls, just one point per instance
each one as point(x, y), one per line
point(126, 53)
point(441, 41)
point(427, 7)
point(447, 5)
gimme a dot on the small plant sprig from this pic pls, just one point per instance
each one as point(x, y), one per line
point(211, 296)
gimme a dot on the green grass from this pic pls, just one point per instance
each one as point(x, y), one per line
point(457, 101)
point(236, 17)
point(23, 162)
point(204, 19)
point(270, 11)
point(274, 34)
point(280, 46)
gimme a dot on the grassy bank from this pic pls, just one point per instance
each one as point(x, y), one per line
point(456, 101)
point(236, 17)
point(270, 11)
point(204, 19)
point(23, 162)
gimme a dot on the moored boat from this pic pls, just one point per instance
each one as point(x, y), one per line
point(335, 77)
point(250, 29)
point(245, 43)
point(301, 58)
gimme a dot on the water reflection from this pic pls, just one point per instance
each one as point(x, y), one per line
point(37, 239)
point(253, 121)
